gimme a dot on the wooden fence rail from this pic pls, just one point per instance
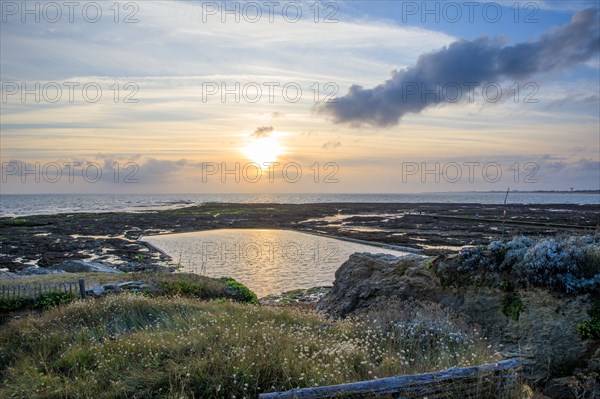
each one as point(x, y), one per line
point(494, 380)
point(34, 291)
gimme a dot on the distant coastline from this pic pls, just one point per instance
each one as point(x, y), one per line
point(13, 205)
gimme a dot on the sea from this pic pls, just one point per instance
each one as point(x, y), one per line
point(12, 205)
point(267, 261)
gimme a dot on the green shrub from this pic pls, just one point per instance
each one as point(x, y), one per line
point(47, 301)
point(241, 292)
point(184, 288)
point(196, 286)
point(512, 306)
point(506, 286)
point(52, 299)
point(590, 329)
point(13, 304)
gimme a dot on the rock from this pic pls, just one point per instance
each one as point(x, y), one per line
point(544, 336)
point(6, 275)
point(310, 295)
point(97, 291)
point(79, 266)
point(560, 387)
point(132, 285)
point(37, 271)
point(365, 277)
point(105, 289)
point(48, 259)
point(581, 385)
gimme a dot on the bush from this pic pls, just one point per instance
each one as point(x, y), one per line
point(512, 306)
point(52, 299)
point(590, 329)
point(196, 286)
point(240, 291)
point(13, 304)
point(568, 264)
point(185, 288)
point(47, 301)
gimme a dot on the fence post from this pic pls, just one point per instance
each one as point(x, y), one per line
point(82, 288)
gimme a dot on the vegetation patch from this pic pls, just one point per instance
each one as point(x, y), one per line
point(46, 301)
point(52, 299)
point(159, 284)
point(196, 286)
point(131, 345)
point(512, 306)
point(240, 291)
point(568, 264)
point(590, 329)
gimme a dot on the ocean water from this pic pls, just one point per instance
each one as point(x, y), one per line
point(268, 261)
point(47, 204)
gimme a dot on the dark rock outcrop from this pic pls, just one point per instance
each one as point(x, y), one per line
point(101, 290)
point(544, 334)
point(79, 266)
point(365, 277)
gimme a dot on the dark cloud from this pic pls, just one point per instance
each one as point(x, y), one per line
point(463, 64)
point(263, 131)
point(331, 144)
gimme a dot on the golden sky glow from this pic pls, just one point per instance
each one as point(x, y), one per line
point(177, 121)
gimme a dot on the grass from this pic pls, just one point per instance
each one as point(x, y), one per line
point(174, 347)
point(91, 278)
point(158, 284)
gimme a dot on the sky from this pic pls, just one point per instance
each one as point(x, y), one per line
point(292, 97)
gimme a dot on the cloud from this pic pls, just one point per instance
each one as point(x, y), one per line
point(331, 145)
point(261, 132)
point(462, 64)
point(574, 100)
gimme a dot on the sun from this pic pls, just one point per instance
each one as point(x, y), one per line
point(262, 150)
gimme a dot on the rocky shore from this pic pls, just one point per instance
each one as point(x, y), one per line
point(538, 325)
point(543, 337)
point(111, 239)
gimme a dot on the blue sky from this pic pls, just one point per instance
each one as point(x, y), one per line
point(176, 52)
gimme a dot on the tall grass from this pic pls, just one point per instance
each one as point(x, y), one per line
point(140, 347)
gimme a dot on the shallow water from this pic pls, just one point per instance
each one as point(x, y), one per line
point(48, 204)
point(267, 261)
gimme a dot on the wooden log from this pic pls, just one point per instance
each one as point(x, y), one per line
point(409, 386)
